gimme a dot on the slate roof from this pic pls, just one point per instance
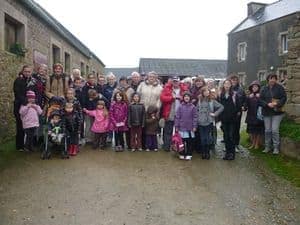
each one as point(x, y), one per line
point(184, 67)
point(121, 71)
point(268, 13)
point(40, 12)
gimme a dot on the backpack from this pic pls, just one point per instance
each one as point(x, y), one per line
point(177, 144)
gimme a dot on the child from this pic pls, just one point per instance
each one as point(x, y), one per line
point(255, 127)
point(186, 125)
point(90, 104)
point(136, 122)
point(208, 110)
point(77, 86)
point(72, 124)
point(152, 127)
point(228, 117)
point(118, 119)
point(29, 113)
point(100, 125)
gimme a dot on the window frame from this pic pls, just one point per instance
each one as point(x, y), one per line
point(283, 47)
point(242, 57)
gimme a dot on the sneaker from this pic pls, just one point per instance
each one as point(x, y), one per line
point(275, 151)
point(21, 150)
point(147, 150)
point(140, 149)
point(182, 157)
point(155, 150)
point(266, 150)
point(188, 157)
point(133, 150)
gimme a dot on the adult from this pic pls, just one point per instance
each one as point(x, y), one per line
point(195, 90)
point(76, 73)
point(135, 80)
point(272, 99)
point(150, 91)
point(125, 88)
point(57, 83)
point(40, 79)
point(101, 82)
point(22, 84)
point(241, 96)
point(171, 97)
point(110, 86)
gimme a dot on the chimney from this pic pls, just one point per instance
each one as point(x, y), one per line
point(253, 7)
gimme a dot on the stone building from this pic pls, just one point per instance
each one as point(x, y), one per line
point(259, 44)
point(30, 35)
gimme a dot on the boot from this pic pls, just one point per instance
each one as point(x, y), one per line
point(74, 152)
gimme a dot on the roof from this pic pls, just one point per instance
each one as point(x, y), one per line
point(119, 72)
point(36, 9)
point(268, 13)
point(184, 67)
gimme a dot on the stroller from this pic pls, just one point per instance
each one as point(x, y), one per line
point(54, 132)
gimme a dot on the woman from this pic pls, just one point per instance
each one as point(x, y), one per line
point(272, 99)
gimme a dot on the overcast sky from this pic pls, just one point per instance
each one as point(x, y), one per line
point(120, 32)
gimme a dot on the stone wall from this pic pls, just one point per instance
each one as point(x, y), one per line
point(10, 65)
point(293, 84)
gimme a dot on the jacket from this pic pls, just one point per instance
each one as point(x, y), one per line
point(72, 122)
point(186, 117)
point(30, 115)
point(57, 85)
point(232, 108)
point(152, 126)
point(240, 95)
point(150, 94)
point(85, 95)
point(108, 91)
point(118, 113)
point(167, 98)
point(136, 115)
point(100, 124)
point(204, 108)
point(267, 94)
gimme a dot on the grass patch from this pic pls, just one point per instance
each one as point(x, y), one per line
point(8, 153)
point(281, 165)
point(290, 129)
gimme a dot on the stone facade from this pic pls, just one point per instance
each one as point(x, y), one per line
point(39, 37)
point(293, 83)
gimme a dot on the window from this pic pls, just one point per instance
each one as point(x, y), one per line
point(87, 69)
point(242, 52)
point(261, 75)
point(282, 74)
point(14, 36)
point(242, 78)
point(82, 69)
point(283, 43)
point(67, 63)
point(55, 54)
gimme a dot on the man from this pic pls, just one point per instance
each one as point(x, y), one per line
point(241, 97)
point(135, 80)
point(170, 97)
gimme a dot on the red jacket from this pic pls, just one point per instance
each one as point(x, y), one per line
point(166, 98)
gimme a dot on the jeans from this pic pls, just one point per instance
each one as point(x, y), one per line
point(29, 137)
point(236, 135)
point(229, 131)
point(167, 135)
point(119, 138)
point(206, 138)
point(151, 141)
point(136, 137)
point(272, 124)
point(188, 146)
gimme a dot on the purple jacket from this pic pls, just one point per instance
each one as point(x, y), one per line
point(186, 117)
point(118, 112)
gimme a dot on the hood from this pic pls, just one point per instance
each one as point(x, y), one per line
point(256, 82)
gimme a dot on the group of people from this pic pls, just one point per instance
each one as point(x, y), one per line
point(136, 111)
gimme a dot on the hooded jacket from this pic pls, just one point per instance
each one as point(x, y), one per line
point(186, 117)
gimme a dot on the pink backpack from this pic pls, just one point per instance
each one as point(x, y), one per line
point(177, 144)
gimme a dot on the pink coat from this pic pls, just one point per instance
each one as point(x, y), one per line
point(30, 115)
point(101, 122)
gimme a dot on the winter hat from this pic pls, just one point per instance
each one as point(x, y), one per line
point(187, 93)
point(30, 95)
point(58, 65)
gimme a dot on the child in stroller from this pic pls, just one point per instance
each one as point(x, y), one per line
point(55, 136)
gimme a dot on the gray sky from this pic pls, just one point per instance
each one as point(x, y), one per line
point(119, 32)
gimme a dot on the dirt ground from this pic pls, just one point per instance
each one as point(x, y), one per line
point(143, 188)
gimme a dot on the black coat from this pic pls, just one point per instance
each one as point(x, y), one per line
point(72, 122)
point(252, 105)
point(136, 115)
point(232, 108)
point(267, 94)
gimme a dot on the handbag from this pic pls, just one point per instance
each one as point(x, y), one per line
point(259, 114)
point(161, 122)
point(177, 144)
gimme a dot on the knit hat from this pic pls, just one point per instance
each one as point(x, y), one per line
point(187, 93)
point(30, 95)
